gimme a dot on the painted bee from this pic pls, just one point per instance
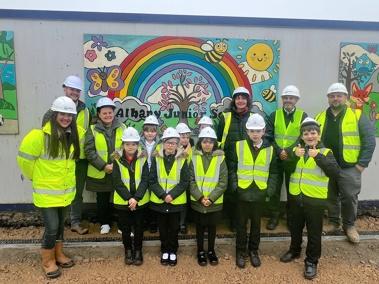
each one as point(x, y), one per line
point(269, 94)
point(214, 52)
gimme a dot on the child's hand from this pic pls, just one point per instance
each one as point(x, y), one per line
point(168, 199)
point(299, 151)
point(313, 151)
point(132, 204)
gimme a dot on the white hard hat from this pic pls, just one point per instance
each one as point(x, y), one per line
point(208, 132)
point(205, 120)
point(291, 90)
point(182, 128)
point(170, 132)
point(64, 104)
point(105, 101)
point(130, 135)
point(241, 90)
point(309, 121)
point(73, 82)
point(255, 122)
point(151, 119)
point(337, 88)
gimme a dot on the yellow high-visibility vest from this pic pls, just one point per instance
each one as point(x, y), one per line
point(309, 179)
point(207, 181)
point(351, 142)
point(228, 121)
point(82, 118)
point(250, 170)
point(286, 136)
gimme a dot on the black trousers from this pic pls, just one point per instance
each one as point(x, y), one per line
point(126, 220)
point(244, 211)
point(104, 208)
point(168, 225)
point(274, 203)
point(312, 217)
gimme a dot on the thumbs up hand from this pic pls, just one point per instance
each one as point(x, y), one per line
point(299, 151)
point(313, 151)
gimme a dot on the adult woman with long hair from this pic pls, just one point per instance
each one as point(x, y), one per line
point(47, 157)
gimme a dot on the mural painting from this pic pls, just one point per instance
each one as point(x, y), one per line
point(8, 96)
point(178, 79)
point(359, 63)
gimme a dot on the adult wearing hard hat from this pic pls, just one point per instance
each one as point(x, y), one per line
point(252, 176)
point(131, 180)
point(232, 128)
point(348, 133)
point(72, 87)
point(102, 139)
point(168, 182)
point(283, 128)
point(47, 157)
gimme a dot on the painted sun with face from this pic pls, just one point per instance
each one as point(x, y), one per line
point(260, 56)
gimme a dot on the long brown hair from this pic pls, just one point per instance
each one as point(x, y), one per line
point(59, 144)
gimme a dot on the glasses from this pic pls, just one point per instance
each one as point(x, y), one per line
point(171, 143)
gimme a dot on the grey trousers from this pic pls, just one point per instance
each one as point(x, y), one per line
point(343, 197)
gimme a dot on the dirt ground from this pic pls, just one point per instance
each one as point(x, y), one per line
point(341, 261)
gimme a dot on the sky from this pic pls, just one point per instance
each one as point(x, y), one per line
point(347, 10)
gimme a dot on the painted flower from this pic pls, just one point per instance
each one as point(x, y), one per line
point(110, 55)
point(90, 55)
point(98, 42)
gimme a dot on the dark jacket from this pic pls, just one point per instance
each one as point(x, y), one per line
point(252, 193)
point(218, 190)
point(332, 138)
point(270, 130)
point(127, 191)
point(155, 187)
point(105, 184)
point(328, 165)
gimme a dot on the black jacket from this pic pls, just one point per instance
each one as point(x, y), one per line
point(328, 165)
point(252, 193)
point(127, 191)
point(181, 187)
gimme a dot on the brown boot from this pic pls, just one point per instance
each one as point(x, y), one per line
point(49, 265)
point(61, 259)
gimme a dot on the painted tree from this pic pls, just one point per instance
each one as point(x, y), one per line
point(6, 55)
point(185, 91)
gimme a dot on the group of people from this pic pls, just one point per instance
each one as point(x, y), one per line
point(238, 169)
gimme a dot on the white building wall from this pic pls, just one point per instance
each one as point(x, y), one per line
point(48, 51)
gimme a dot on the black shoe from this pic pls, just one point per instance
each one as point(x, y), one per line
point(254, 259)
point(273, 222)
point(165, 261)
point(183, 229)
point(240, 260)
point(129, 257)
point(138, 259)
point(289, 256)
point(173, 262)
point(310, 271)
point(201, 260)
point(213, 259)
point(153, 227)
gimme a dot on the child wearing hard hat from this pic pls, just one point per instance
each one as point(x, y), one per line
point(311, 165)
point(205, 121)
point(186, 143)
point(131, 180)
point(252, 178)
point(168, 181)
point(47, 157)
point(150, 141)
point(208, 182)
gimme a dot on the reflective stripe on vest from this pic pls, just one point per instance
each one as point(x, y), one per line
point(125, 177)
point(250, 170)
point(102, 149)
point(83, 118)
point(309, 179)
point(286, 136)
point(351, 142)
point(169, 181)
point(207, 182)
point(228, 122)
